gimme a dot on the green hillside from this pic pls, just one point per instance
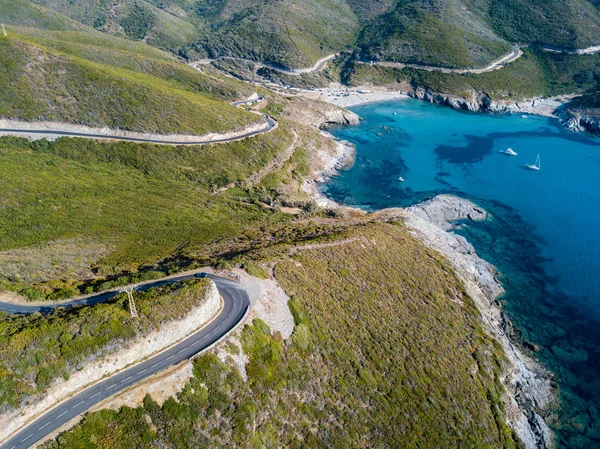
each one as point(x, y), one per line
point(292, 33)
point(31, 15)
point(563, 23)
point(439, 33)
point(387, 352)
point(536, 74)
point(74, 77)
point(119, 206)
point(296, 33)
point(134, 19)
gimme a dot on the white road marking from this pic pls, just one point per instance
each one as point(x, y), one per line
point(156, 364)
point(143, 371)
point(94, 395)
point(61, 414)
point(170, 357)
point(26, 438)
point(126, 379)
point(78, 404)
point(183, 350)
point(47, 424)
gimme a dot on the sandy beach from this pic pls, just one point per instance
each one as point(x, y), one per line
point(347, 97)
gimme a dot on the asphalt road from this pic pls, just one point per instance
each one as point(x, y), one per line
point(319, 65)
point(269, 125)
point(515, 54)
point(235, 305)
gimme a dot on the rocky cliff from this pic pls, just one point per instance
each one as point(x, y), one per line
point(481, 102)
point(579, 120)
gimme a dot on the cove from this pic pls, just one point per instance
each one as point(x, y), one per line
point(544, 235)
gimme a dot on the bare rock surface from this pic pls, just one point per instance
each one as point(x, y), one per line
point(319, 114)
point(581, 120)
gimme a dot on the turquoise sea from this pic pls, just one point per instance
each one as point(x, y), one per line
point(544, 236)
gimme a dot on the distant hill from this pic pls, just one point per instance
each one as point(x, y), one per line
point(474, 32)
point(296, 33)
point(445, 33)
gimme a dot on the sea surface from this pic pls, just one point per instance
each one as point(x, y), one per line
point(544, 235)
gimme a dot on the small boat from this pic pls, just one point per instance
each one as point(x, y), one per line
point(401, 179)
point(523, 116)
point(537, 166)
point(509, 151)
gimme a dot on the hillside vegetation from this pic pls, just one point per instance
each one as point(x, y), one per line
point(387, 352)
point(134, 19)
point(37, 350)
point(296, 33)
point(126, 206)
point(443, 33)
point(83, 80)
point(537, 73)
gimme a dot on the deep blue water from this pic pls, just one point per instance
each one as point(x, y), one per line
point(544, 236)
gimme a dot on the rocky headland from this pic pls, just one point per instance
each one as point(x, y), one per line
point(527, 383)
point(580, 120)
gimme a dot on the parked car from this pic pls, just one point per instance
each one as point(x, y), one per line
point(201, 275)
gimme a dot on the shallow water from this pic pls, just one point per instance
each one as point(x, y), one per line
point(544, 235)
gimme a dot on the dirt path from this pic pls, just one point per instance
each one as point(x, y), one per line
point(275, 164)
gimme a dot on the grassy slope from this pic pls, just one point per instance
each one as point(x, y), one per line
point(293, 33)
point(24, 13)
point(157, 27)
point(387, 352)
point(435, 34)
point(137, 57)
point(39, 83)
point(153, 200)
point(564, 23)
point(37, 350)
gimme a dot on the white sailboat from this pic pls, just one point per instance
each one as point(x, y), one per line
point(401, 179)
point(537, 166)
point(509, 151)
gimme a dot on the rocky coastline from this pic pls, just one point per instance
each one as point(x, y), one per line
point(580, 120)
point(480, 103)
point(527, 383)
point(574, 119)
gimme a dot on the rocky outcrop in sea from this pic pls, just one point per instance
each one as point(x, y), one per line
point(580, 120)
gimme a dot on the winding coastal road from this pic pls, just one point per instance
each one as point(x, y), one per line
point(515, 54)
point(319, 65)
point(235, 305)
point(269, 125)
